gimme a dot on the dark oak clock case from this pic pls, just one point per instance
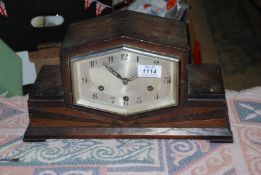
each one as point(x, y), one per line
point(200, 114)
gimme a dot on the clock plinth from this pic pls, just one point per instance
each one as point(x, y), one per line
point(204, 116)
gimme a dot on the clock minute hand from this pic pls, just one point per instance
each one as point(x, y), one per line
point(132, 78)
point(113, 72)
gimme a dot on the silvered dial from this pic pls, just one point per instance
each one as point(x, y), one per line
point(125, 81)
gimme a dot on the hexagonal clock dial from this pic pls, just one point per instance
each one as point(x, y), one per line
point(125, 81)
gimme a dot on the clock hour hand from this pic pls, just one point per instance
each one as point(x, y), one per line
point(113, 72)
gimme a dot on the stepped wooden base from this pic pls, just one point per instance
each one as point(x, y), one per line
point(203, 116)
point(40, 134)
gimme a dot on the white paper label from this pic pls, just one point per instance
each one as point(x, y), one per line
point(153, 71)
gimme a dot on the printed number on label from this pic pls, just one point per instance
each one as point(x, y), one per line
point(153, 71)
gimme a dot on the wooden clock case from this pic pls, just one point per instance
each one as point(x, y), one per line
point(202, 109)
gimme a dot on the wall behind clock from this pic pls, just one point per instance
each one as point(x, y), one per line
point(16, 29)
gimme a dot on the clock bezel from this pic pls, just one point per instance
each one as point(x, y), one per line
point(160, 56)
point(67, 55)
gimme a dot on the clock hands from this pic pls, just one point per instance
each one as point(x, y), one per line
point(124, 80)
point(132, 78)
point(113, 72)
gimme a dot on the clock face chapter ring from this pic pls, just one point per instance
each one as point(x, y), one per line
point(125, 80)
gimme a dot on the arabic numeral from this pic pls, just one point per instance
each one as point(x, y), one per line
point(124, 56)
point(156, 61)
point(110, 58)
point(113, 100)
point(146, 71)
point(125, 103)
point(93, 63)
point(84, 80)
point(153, 71)
point(167, 80)
point(139, 100)
point(149, 71)
point(94, 96)
point(125, 100)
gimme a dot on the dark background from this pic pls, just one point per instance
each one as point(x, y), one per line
point(16, 29)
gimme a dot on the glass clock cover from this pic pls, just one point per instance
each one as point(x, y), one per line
point(125, 81)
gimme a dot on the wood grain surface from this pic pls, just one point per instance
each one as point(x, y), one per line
point(204, 118)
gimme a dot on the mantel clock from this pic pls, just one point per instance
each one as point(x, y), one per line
point(126, 75)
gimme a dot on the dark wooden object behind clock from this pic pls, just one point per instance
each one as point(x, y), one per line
point(200, 111)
